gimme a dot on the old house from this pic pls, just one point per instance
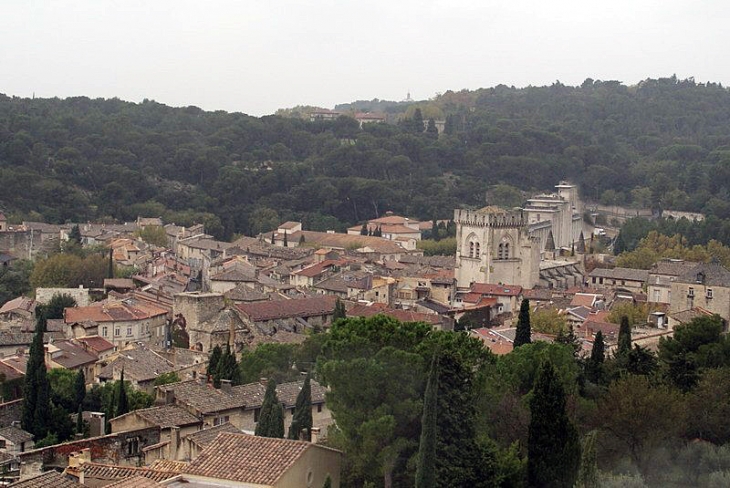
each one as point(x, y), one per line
point(619, 278)
point(247, 460)
point(661, 277)
point(69, 354)
point(291, 315)
point(141, 367)
point(122, 321)
point(705, 286)
point(240, 404)
point(18, 309)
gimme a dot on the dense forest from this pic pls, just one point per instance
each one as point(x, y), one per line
point(663, 143)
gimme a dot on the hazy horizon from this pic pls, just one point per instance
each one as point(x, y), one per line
point(256, 58)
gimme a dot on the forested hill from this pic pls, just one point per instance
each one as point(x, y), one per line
point(663, 142)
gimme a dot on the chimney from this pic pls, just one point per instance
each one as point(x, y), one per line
point(174, 441)
point(169, 397)
point(315, 435)
point(226, 386)
point(264, 381)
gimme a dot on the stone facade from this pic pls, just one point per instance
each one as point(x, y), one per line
point(80, 294)
point(494, 246)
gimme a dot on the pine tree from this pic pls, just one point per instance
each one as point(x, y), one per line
point(624, 338)
point(121, 396)
point(594, 365)
point(553, 448)
point(569, 338)
point(340, 312)
point(364, 229)
point(268, 424)
point(431, 129)
point(426, 461)
point(215, 357)
point(523, 334)
point(79, 388)
point(302, 423)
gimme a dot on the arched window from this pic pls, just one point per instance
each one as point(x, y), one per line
point(503, 250)
point(476, 247)
point(471, 249)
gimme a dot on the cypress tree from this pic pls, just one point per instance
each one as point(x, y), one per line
point(277, 421)
point(435, 230)
point(553, 448)
point(121, 394)
point(431, 129)
point(215, 357)
point(588, 473)
point(36, 393)
point(426, 461)
point(417, 121)
point(110, 271)
point(301, 239)
point(624, 337)
point(273, 238)
point(523, 333)
point(364, 229)
point(79, 388)
point(80, 420)
point(302, 423)
point(268, 416)
point(594, 365)
point(327, 482)
point(340, 312)
point(286, 240)
point(75, 234)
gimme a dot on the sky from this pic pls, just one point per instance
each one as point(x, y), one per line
point(258, 56)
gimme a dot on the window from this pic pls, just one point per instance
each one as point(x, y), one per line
point(222, 420)
point(476, 247)
point(2, 444)
point(319, 408)
point(503, 250)
point(116, 331)
point(657, 295)
point(709, 293)
point(129, 331)
point(691, 292)
point(104, 331)
point(133, 446)
point(471, 249)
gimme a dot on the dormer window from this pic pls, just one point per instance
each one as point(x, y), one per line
point(709, 293)
point(691, 292)
point(700, 277)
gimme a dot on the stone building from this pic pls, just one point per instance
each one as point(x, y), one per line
point(705, 288)
point(494, 245)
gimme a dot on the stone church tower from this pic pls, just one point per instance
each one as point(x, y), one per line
point(494, 246)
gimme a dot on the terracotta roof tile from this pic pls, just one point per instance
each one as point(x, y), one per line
point(139, 364)
point(111, 472)
point(114, 311)
point(248, 459)
point(204, 437)
point(164, 416)
point(49, 479)
point(96, 343)
point(496, 290)
point(135, 482)
point(169, 465)
point(280, 309)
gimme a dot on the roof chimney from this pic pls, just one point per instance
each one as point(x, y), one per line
point(226, 386)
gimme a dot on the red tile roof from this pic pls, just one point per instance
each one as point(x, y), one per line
point(319, 268)
point(126, 310)
point(96, 343)
point(282, 309)
point(249, 459)
point(402, 315)
point(496, 290)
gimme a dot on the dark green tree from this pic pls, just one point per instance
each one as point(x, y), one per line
point(417, 121)
point(523, 333)
point(302, 240)
point(588, 473)
point(435, 235)
point(122, 404)
point(624, 338)
point(553, 447)
point(327, 482)
point(54, 309)
point(619, 244)
point(74, 235)
point(79, 388)
point(426, 461)
point(340, 312)
point(215, 357)
point(80, 420)
point(227, 368)
point(36, 392)
point(431, 129)
point(302, 423)
point(641, 360)
point(594, 364)
point(110, 270)
point(286, 240)
point(277, 421)
point(569, 339)
point(268, 424)
point(364, 229)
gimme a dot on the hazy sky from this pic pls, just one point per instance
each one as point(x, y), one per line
point(258, 56)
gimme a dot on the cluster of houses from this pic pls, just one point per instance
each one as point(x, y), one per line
point(196, 293)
